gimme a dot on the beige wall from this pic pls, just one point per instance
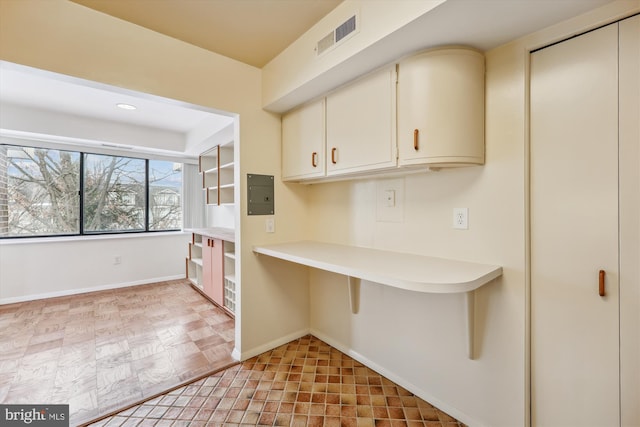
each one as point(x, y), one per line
point(298, 72)
point(67, 38)
point(418, 339)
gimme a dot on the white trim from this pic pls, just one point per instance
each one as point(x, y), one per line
point(13, 300)
point(88, 237)
point(39, 140)
point(270, 345)
point(443, 406)
point(236, 353)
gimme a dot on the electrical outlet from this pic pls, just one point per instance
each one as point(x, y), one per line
point(461, 218)
point(117, 260)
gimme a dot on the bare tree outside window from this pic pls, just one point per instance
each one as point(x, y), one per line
point(40, 193)
point(39, 190)
point(114, 193)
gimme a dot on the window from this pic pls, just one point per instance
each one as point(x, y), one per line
point(48, 192)
point(165, 185)
point(114, 194)
point(39, 192)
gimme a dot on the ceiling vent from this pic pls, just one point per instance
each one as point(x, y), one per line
point(336, 36)
point(325, 43)
point(348, 27)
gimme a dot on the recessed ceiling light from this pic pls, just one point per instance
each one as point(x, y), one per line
point(126, 106)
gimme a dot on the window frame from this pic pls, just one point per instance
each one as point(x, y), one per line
point(81, 197)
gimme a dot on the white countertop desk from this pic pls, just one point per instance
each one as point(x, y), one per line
point(400, 270)
point(227, 234)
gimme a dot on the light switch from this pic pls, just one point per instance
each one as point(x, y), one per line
point(270, 225)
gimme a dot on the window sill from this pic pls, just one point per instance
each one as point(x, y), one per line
point(84, 238)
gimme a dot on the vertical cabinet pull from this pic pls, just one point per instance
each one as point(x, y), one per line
point(601, 289)
point(416, 132)
point(333, 155)
point(314, 159)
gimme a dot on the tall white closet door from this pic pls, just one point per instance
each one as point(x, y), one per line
point(630, 220)
point(574, 232)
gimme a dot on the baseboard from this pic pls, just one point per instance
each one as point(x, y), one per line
point(269, 346)
point(443, 406)
point(236, 353)
point(65, 293)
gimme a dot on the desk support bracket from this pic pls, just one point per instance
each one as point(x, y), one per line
point(469, 299)
point(354, 293)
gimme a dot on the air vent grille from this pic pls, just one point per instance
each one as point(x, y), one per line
point(325, 43)
point(336, 36)
point(348, 27)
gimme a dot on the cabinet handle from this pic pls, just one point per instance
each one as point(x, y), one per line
point(416, 132)
point(333, 155)
point(314, 159)
point(601, 289)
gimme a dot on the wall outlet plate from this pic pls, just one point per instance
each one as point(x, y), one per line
point(461, 218)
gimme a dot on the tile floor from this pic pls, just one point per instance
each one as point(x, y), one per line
point(106, 350)
point(303, 383)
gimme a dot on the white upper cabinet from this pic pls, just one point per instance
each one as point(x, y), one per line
point(303, 142)
point(441, 108)
point(361, 131)
point(437, 98)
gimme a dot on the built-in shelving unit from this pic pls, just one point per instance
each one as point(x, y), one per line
point(217, 168)
point(194, 261)
point(230, 276)
point(412, 272)
point(212, 276)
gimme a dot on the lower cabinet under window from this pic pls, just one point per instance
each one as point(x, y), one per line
point(210, 267)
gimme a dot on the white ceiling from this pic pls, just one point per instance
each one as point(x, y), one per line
point(481, 23)
point(50, 91)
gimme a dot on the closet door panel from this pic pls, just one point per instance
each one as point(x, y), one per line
point(574, 231)
point(630, 220)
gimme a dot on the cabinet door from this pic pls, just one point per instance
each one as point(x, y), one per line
point(361, 125)
point(441, 108)
point(213, 269)
point(574, 232)
point(303, 142)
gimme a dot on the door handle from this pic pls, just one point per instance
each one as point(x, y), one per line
point(416, 145)
point(333, 155)
point(314, 159)
point(601, 289)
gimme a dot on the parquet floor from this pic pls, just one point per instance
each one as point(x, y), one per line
point(303, 383)
point(106, 350)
